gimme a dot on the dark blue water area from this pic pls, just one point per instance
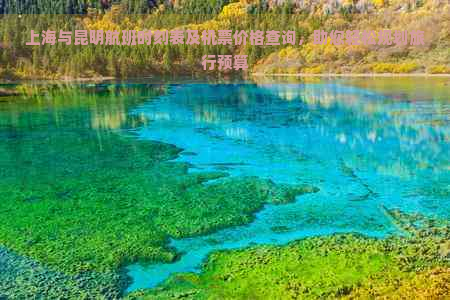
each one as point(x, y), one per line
point(365, 152)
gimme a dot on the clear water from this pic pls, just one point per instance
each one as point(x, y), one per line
point(365, 151)
point(368, 146)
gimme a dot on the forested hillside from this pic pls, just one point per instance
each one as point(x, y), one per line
point(74, 61)
point(92, 6)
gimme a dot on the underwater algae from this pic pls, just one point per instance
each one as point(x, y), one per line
point(82, 198)
point(82, 203)
point(24, 278)
point(123, 207)
point(346, 266)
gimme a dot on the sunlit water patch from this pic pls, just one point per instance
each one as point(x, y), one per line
point(365, 151)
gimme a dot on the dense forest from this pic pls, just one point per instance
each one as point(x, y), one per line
point(19, 61)
point(89, 6)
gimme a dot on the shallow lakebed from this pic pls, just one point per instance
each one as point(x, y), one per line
point(150, 179)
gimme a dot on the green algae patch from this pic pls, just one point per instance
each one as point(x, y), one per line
point(315, 268)
point(345, 266)
point(232, 201)
point(77, 196)
point(429, 284)
point(96, 210)
point(23, 278)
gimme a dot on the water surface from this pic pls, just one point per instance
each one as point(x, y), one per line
point(368, 145)
point(366, 151)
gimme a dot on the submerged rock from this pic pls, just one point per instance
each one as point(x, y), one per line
point(279, 229)
point(24, 278)
point(188, 153)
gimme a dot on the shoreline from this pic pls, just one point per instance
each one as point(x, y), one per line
point(350, 75)
point(249, 75)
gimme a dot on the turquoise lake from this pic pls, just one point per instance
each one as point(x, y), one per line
point(368, 145)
